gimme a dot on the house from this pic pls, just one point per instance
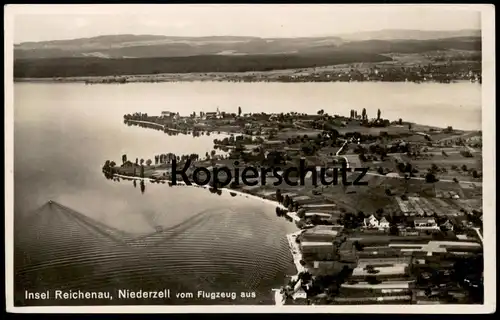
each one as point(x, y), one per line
point(318, 215)
point(167, 114)
point(273, 117)
point(425, 224)
point(211, 115)
point(371, 222)
point(447, 225)
point(319, 233)
point(384, 223)
point(299, 294)
point(128, 164)
point(322, 268)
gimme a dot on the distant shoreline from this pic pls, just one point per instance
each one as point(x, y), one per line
point(222, 77)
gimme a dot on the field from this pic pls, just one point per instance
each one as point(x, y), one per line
point(450, 166)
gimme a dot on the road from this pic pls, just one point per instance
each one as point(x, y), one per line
point(478, 234)
point(462, 136)
point(413, 178)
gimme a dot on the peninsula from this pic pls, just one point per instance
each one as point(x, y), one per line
point(413, 234)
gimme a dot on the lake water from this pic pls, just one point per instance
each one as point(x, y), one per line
point(63, 133)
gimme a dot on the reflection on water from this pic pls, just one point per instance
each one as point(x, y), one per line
point(109, 234)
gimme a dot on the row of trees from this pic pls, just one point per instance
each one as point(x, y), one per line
point(233, 140)
point(364, 115)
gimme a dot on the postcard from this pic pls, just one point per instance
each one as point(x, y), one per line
point(250, 158)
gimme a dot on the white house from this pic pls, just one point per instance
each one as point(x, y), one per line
point(371, 222)
point(299, 294)
point(425, 223)
point(384, 223)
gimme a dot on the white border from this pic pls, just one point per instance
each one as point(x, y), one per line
point(488, 127)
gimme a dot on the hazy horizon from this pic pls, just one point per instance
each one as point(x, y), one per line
point(35, 23)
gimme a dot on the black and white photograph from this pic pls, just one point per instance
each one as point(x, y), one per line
point(250, 157)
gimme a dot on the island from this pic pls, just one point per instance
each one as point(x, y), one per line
point(410, 233)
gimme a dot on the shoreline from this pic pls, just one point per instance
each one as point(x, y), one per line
point(189, 78)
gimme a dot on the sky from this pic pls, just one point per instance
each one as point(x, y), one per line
point(51, 22)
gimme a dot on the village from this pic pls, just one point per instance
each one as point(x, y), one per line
point(412, 234)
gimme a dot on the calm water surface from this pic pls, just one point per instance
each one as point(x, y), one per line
point(185, 239)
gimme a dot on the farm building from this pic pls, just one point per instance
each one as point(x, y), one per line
point(319, 233)
point(383, 223)
point(320, 215)
point(425, 223)
point(317, 250)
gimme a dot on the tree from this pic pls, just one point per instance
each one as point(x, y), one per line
point(363, 114)
point(475, 174)
point(212, 153)
point(361, 216)
point(301, 213)
point(400, 121)
point(141, 162)
point(149, 162)
point(430, 178)
point(434, 168)
point(393, 230)
point(286, 201)
point(278, 212)
point(378, 114)
point(142, 171)
point(239, 111)
point(358, 246)
point(279, 196)
point(124, 158)
point(372, 280)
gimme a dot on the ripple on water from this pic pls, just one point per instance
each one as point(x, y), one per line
point(214, 250)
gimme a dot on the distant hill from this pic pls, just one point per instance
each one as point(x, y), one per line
point(155, 46)
point(397, 34)
point(152, 54)
point(147, 46)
